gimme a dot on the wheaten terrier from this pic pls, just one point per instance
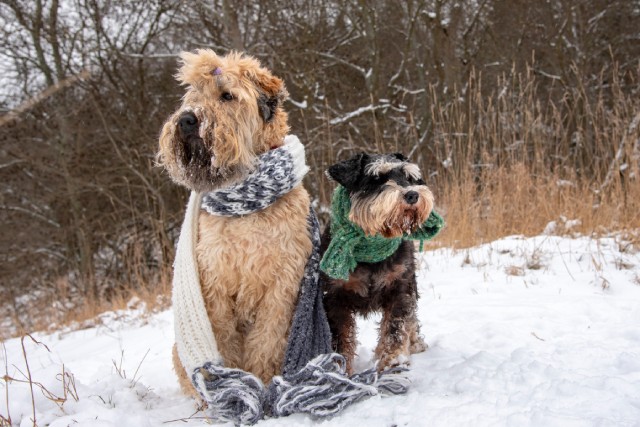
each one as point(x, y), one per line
point(250, 266)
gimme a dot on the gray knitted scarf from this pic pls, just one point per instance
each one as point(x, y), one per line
point(275, 175)
point(313, 378)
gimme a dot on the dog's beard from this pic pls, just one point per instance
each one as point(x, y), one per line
point(388, 214)
point(197, 169)
point(404, 221)
point(211, 159)
point(193, 153)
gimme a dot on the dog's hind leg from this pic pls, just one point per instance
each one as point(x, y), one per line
point(183, 379)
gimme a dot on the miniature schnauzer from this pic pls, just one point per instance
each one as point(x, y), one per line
point(380, 205)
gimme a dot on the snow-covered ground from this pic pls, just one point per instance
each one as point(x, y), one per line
point(540, 331)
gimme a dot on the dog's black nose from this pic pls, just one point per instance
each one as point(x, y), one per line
point(411, 197)
point(188, 123)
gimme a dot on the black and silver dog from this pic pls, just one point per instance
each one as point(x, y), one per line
point(383, 204)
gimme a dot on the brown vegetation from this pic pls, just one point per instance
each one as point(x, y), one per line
point(521, 112)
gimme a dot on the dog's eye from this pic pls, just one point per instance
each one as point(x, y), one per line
point(226, 97)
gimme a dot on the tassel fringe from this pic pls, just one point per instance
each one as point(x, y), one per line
point(322, 389)
point(231, 394)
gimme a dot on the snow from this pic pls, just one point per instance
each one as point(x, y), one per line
point(538, 331)
point(360, 111)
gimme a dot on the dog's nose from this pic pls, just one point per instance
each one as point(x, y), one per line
point(411, 197)
point(188, 123)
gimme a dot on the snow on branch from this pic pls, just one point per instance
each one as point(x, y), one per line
point(358, 68)
point(360, 111)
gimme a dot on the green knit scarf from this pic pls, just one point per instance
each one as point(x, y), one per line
point(349, 244)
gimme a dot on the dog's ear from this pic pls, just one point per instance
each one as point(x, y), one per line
point(347, 172)
point(400, 157)
point(267, 106)
point(272, 93)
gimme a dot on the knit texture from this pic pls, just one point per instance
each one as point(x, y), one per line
point(309, 334)
point(277, 172)
point(350, 245)
point(322, 388)
point(194, 349)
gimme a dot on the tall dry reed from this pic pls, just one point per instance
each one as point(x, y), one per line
point(511, 160)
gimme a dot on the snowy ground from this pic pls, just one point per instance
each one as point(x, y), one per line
point(542, 331)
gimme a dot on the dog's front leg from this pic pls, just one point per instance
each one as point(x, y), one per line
point(266, 339)
point(220, 308)
point(394, 342)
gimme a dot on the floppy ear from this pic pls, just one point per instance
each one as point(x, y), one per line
point(347, 172)
point(272, 93)
point(400, 157)
point(267, 107)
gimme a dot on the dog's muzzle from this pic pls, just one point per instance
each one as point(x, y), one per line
point(193, 151)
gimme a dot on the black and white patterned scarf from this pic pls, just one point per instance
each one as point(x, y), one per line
point(278, 171)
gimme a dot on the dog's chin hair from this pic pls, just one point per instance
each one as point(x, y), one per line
point(211, 179)
point(388, 214)
point(404, 221)
point(204, 176)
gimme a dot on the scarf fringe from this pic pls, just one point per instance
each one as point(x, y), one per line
point(231, 394)
point(322, 388)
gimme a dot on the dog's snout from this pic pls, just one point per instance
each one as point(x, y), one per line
point(188, 123)
point(411, 197)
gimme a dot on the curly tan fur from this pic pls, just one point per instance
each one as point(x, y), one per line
point(251, 269)
point(251, 266)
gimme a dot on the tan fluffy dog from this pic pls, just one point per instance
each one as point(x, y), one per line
point(250, 267)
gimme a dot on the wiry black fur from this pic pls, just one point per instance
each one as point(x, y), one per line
point(389, 286)
point(351, 174)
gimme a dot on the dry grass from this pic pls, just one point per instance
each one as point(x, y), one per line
point(59, 308)
point(68, 384)
point(514, 160)
point(512, 200)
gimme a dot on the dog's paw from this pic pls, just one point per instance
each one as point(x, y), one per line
point(393, 360)
point(418, 346)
